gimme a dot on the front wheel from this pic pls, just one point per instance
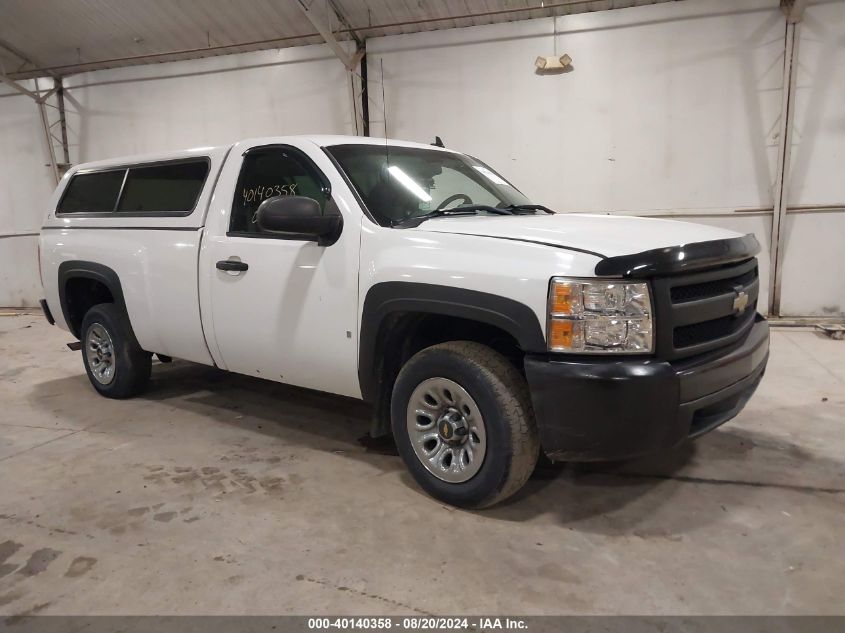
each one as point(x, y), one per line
point(463, 423)
point(116, 365)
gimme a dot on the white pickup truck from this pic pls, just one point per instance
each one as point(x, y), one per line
point(482, 327)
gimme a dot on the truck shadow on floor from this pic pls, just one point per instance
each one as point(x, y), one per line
point(609, 498)
point(726, 469)
point(326, 421)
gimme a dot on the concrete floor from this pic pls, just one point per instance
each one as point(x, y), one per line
point(216, 493)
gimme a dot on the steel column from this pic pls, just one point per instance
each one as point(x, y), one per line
point(365, 92)
point(781, 188)
point(40, 99)
point(48, 135)
point(60, 99)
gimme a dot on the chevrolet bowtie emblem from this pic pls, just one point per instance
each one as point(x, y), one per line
point(740, 301)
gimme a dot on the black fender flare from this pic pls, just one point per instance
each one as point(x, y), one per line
point(385, 298)
point(75, 269)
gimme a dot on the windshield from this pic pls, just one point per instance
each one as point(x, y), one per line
point(400, 183)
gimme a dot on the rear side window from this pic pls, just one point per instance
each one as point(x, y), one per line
point(163, 188)
point(92, 193)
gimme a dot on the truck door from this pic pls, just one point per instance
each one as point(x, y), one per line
point(280, 307)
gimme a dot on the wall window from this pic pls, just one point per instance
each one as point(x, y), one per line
point(270, 172)
point(92, 193)
point(173, 187)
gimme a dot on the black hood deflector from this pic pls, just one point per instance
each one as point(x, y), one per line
point(673, 260)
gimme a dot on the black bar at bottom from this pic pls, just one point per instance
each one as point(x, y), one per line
point(47, 314)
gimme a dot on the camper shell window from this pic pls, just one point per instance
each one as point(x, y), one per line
point(168, 188)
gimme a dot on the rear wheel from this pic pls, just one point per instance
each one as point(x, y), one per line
point(463, 424)
point(116, 365)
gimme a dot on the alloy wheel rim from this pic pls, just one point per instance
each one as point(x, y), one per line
point(99, 350)
point(447, 430)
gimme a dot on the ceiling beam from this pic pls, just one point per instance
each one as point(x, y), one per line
point(793, 10)
point(327, 35)
point(38, 96)
point(26, 59)
point(14, 84)
point(275, 42)
point(341, 17)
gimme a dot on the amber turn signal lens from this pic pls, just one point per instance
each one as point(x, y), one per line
point(560, 335)
point(599, 316)
point(562, 297)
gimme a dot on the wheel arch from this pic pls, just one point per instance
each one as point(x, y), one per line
point(394, 312)
point(75, 300)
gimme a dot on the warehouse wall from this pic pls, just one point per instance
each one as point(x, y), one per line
point(670, 109)
point(157, 108)
point(814, 231)
point(211, 101)
point(25, 185)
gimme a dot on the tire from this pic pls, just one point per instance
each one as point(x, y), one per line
point(106, 327)
point(488, 383)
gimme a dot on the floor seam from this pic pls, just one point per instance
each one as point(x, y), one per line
point(32, 448)
point(87, 429)
point(34, 426)
point(732, 482)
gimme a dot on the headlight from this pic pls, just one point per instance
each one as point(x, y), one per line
point(598, 317)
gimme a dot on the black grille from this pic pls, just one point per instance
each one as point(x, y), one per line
point(681, 294)
point(701, 311)
point(697, 333)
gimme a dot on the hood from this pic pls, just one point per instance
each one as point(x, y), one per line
point(602, 235)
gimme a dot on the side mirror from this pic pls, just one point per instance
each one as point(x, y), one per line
point(299, 217)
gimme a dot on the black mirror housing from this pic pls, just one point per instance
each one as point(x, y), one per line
point(299, 217)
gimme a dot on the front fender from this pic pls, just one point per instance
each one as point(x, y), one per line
point(387, 298)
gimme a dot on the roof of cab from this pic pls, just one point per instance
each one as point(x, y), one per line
point(329, 140)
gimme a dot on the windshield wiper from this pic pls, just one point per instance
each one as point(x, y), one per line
point(528, 208)
point(467, 209)
point(472, 209)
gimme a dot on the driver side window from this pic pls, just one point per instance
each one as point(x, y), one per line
point(270, 172)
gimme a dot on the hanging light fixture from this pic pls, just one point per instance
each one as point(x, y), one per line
point(552, 63)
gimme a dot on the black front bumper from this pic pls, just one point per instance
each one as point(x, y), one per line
point(610, 408)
